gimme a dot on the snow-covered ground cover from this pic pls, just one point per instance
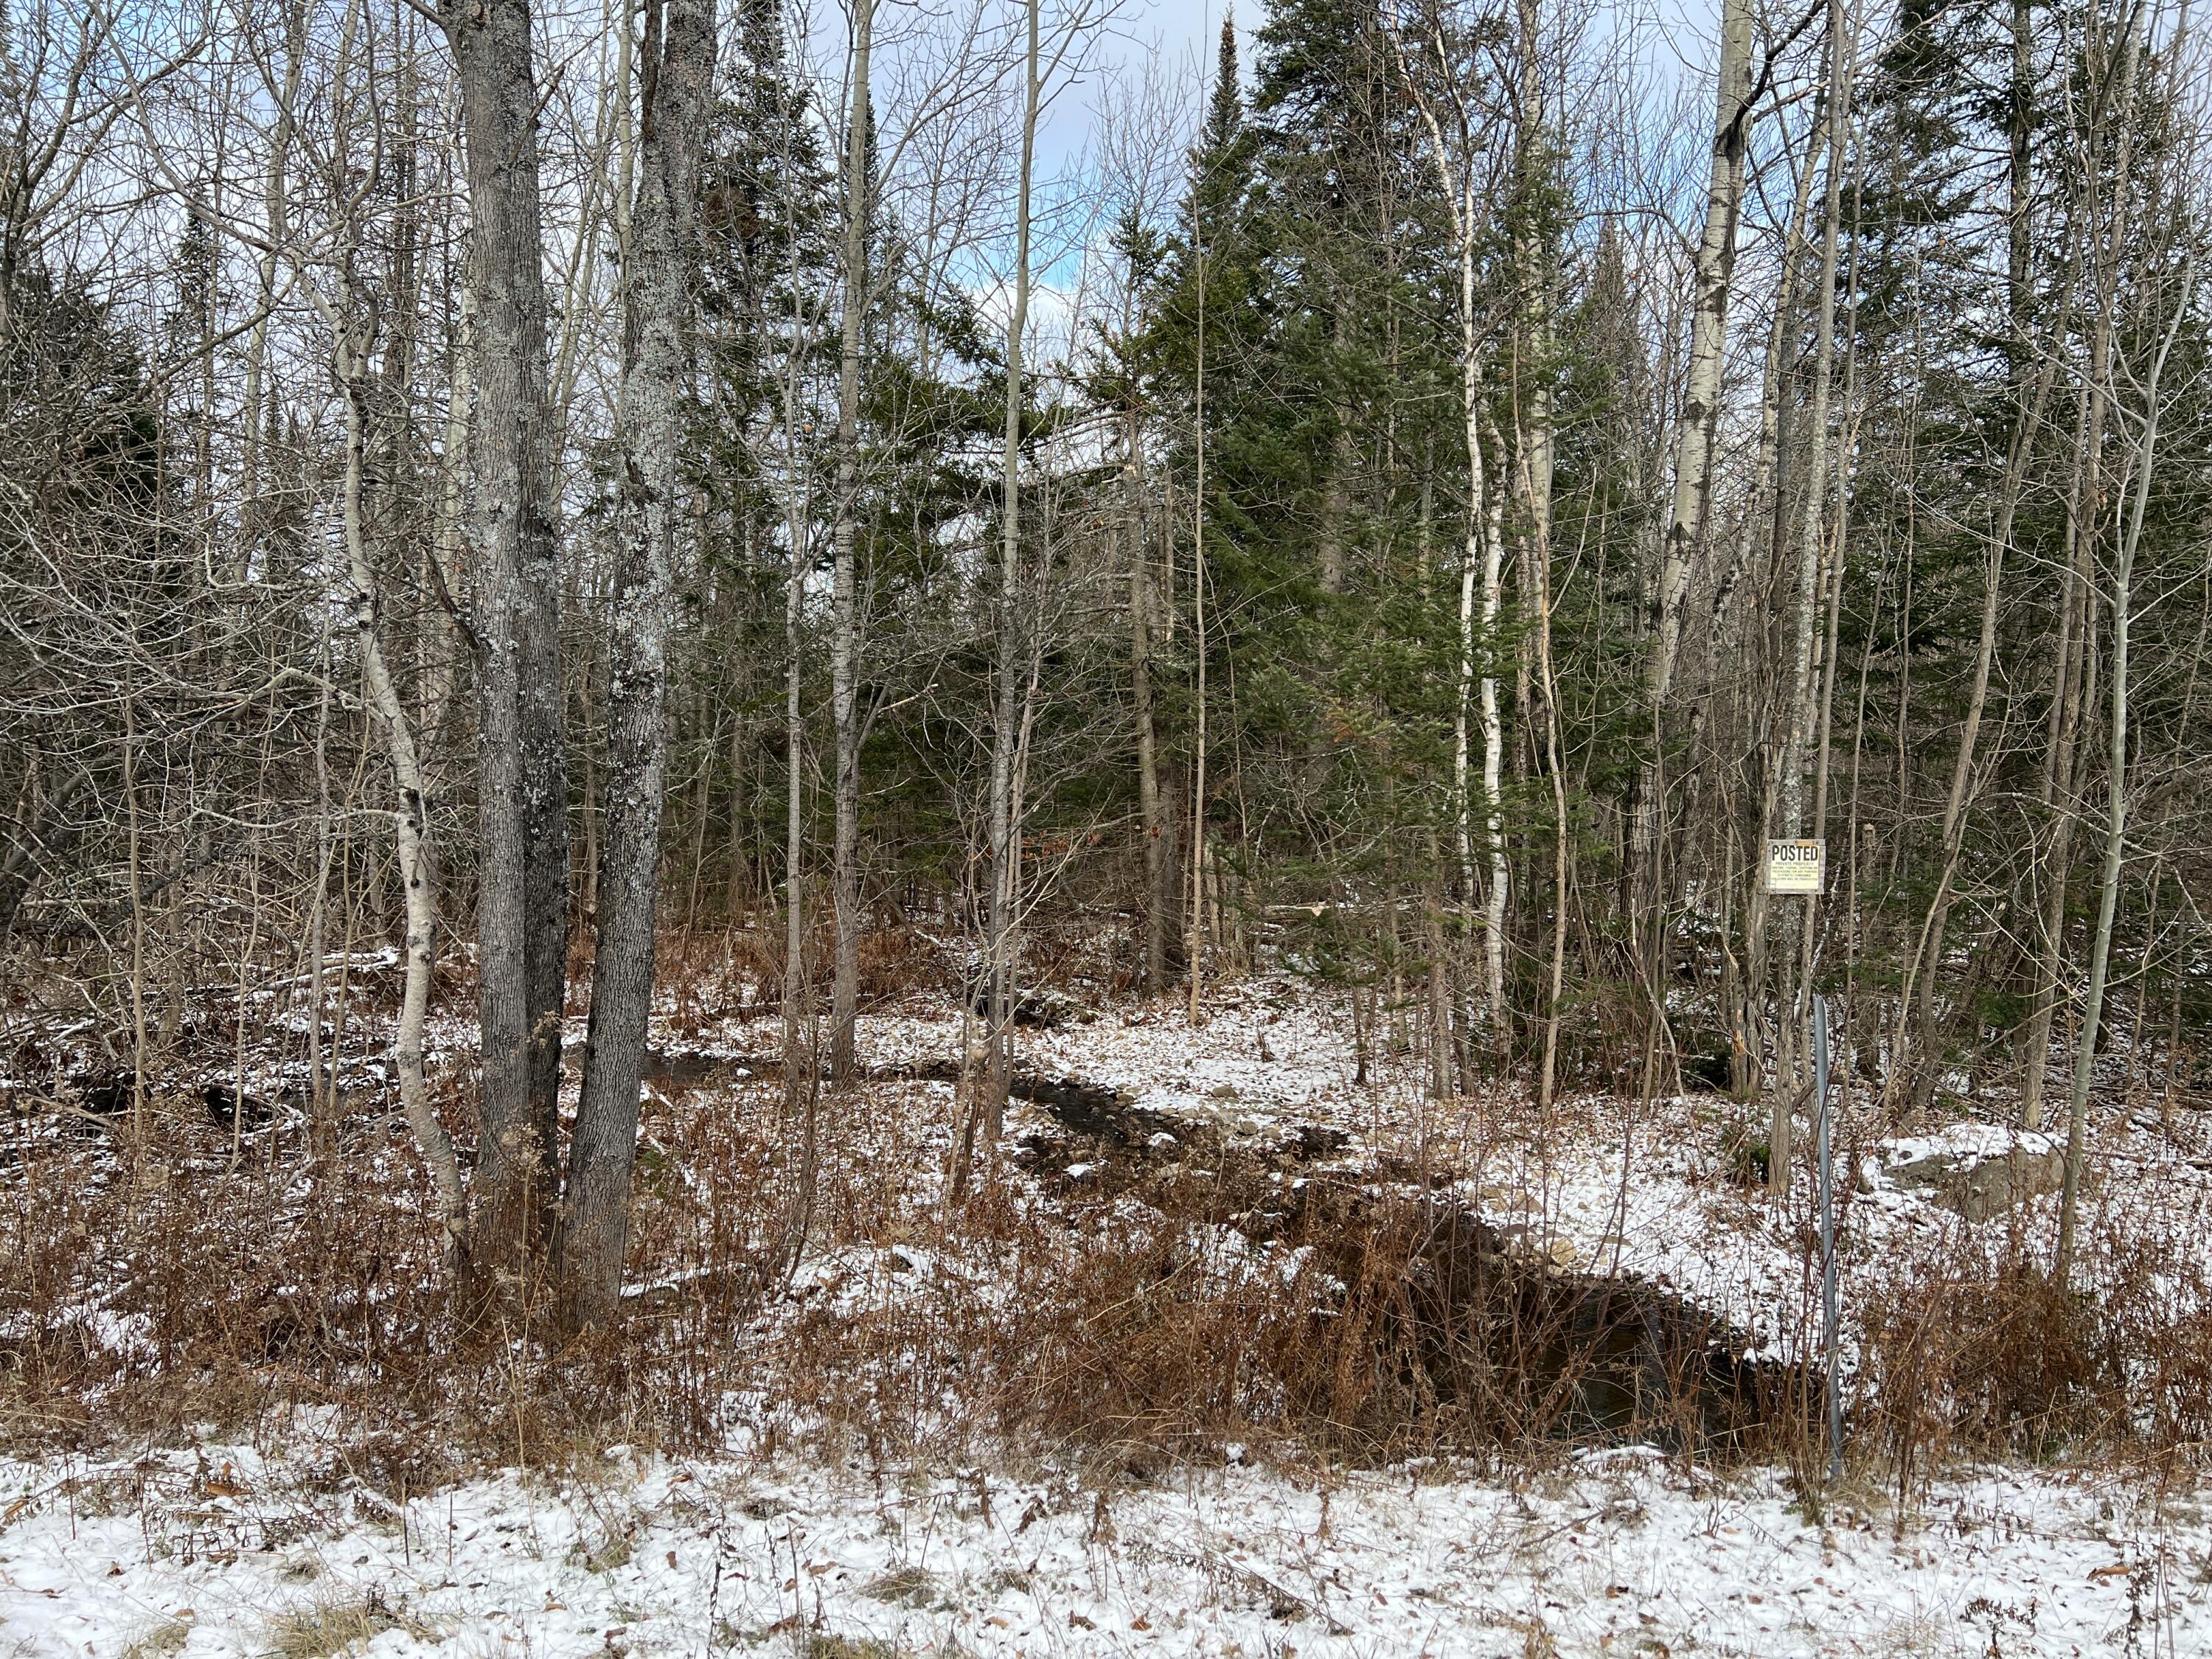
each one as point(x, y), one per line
point(143, 1549)
point(1604, 1182)
point(212, 1550)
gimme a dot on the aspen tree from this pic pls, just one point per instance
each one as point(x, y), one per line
point(522, 915)
point(845, 642)
point(675, 85)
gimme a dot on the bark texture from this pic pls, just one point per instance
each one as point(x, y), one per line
point(522, 919)
point(1700, 420)
point(676, 83)
point(845, 646)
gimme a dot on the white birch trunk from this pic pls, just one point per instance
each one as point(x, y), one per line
point(845, 644)
point(411, 822)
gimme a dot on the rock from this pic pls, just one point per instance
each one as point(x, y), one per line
point(1532, 1244)
point(1307, 1141)
point(1978, 1169)
point(1046, 1007)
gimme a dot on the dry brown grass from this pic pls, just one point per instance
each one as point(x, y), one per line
point(1976, 1351)
point(325, 1630)
point(149, 1284)
point(163, 1638)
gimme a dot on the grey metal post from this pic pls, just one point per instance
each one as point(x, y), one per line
point(1828, 1305)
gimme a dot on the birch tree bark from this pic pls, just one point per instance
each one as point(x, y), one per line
point(411, 820)
point(1693, 441)
point(1491, 497)
point(1714, 273)
point(1484, 548)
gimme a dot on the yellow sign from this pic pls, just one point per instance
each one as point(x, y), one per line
point(1797, 866)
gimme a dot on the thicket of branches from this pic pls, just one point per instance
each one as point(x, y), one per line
point(1430, 501)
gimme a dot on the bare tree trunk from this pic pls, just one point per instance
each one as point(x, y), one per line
point(1195, 935)
point(1533, 261)
point(1796, 749)
point(522, 790)
point(1928, 959)
point(1491, 497)
point(2116, 785)
point(1000, 943)
point(1484, 547)
point(798, 1059)
point(1556, 984)
point(2085, 514)
point(1463, 703)
point(1765, 489)
point(1693, 441)
point(2020, 180)
point(738, 867)
point(275, 212)
point(2076, 609)
point(676, 87)
point(412, 821)
point(1742, 1015)
point(845, 646)
point(1437, 986)
point(1439, 978)
point(440, 674)
point(1157, 899)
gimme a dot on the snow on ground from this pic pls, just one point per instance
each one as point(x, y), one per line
point(212, 1551)
point(1607, 1182)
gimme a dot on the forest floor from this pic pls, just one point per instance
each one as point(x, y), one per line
point(275, 1541)
point(212, 1549)
point(1651, 1190)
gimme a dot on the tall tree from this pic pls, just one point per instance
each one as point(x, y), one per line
point(675, 87)
point(1001, 942)
point(845, 643)
point(1810, 577)
point(522, 794)
point(1457, 144)
point(1695, 430)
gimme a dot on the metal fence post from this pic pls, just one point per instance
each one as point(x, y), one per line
point(1830, 1319)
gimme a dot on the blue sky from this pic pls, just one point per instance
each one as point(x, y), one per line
point(1179, 34)
point(1671, 38)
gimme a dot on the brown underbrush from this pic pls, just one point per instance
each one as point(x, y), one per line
point(1975, 1351)
point(162, 1270)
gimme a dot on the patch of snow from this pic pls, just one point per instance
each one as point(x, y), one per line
point(204, 1551)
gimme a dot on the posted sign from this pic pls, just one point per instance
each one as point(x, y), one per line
point(1797, 866)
